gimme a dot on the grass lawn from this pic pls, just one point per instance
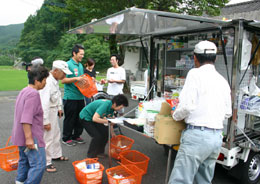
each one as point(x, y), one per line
point(14, 80)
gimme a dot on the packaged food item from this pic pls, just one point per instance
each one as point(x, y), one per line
point(81, 165)
point(173, 103)
point(93, 166)
point(13, 163)
point(87, 168)
point(175, 93)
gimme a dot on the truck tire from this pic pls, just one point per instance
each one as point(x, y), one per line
point(251, 169)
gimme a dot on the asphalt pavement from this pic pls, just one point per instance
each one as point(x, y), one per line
point(65, 172)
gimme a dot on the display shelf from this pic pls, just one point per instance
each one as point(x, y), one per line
point(177, 68)
point(169, 87)
point(181, 50)
point(254, 145)
point(251, 112)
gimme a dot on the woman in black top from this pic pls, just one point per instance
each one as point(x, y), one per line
point(89, 69)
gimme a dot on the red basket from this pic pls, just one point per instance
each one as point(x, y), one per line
point(91, 177)
point(135, 157)
point(118, 144)
point(131, 174)
point(9, 157)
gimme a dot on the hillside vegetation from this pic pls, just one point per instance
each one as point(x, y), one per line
point(10, 35)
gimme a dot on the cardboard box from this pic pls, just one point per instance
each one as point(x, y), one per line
point(167, 130)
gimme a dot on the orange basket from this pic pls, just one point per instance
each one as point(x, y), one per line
point(120, 143)
point(90, 177)
point(9, 157)
point(128, 174)
point(88, 87)
point(135, 157)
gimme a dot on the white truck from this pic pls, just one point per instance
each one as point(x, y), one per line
point(138, 90)
point(171, 42)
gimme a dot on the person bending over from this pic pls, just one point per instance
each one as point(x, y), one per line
point(94, 120)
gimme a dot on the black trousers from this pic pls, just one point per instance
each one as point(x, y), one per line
point(72, 128)
point(99, 134)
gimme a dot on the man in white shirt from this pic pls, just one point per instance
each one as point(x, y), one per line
point(52, 108)
point(205, 101)
point(116, 78)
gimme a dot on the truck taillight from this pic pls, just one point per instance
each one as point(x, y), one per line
point(221, 157)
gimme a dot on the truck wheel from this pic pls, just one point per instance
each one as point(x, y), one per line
point(251, 169)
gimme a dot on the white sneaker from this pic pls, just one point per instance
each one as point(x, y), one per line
point(18, 182)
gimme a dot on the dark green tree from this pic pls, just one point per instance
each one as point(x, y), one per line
point(97, 48)
point(6, 60)
point(44, 33)
point(41, 34)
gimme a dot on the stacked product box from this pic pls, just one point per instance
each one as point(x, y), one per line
point(149, 125)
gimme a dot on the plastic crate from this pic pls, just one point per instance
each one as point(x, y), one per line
point(91, 177)
point(135, 157)
point(9, 157)
point(131, 174)
point(118, 144)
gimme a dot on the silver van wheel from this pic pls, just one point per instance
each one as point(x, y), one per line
point(254, 167)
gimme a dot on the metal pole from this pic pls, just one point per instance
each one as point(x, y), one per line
point(168, 164)
point(224, 54)
point(109, 135)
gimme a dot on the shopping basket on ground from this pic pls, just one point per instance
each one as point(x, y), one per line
point(93, 177)
point(118, 144)
point(9, 157)
point(124, 174)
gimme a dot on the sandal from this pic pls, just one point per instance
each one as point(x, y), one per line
point(51, 169)
point(62, 158)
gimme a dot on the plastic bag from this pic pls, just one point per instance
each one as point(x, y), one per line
point(88, 88)
point(253, 89)
point(246, 51)
point(99, 86)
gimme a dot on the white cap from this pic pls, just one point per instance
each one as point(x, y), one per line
point(62, 65)
point(205, 47)
point(37, 61)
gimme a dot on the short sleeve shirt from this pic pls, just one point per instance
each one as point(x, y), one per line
point(103, 107)
point(115, 74)
point(71, 92)
point(28, 109)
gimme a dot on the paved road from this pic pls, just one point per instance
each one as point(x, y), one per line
point(65, 175)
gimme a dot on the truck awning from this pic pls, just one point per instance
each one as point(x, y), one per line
point(141, 22)
point(255, 24)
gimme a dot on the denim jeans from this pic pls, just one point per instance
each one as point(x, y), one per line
point(31, 165)
point(196, 158)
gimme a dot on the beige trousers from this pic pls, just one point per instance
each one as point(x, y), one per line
point(52, 137)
